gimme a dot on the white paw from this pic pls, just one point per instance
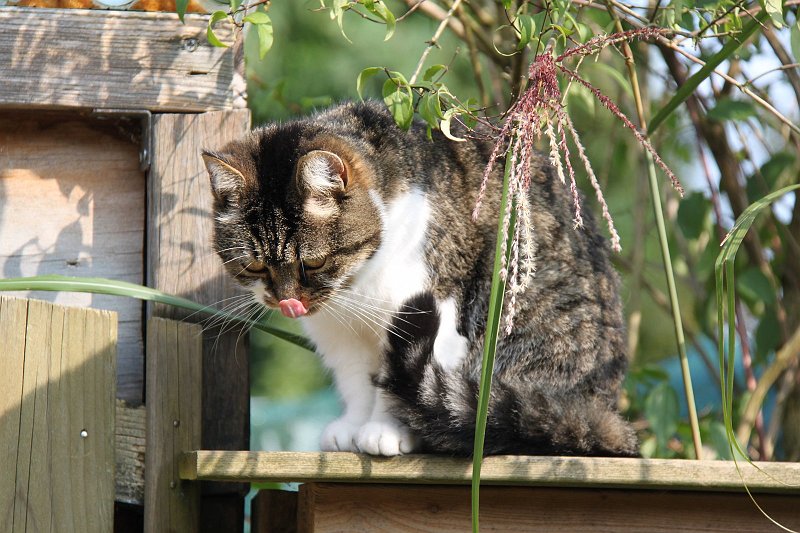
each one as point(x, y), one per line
point(339, 436)
point(385, 438)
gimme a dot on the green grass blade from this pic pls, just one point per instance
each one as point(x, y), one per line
point(698, 77)
point(140, 292)
point(490, 343)
point(724, 276)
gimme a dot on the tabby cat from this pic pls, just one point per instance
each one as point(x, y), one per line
point(364, 233)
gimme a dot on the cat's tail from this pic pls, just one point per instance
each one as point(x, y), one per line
point(523, 418)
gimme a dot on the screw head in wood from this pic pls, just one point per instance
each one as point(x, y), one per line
point(84, 433)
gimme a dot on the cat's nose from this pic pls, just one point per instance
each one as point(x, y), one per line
point(292, 308)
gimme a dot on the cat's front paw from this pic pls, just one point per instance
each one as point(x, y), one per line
point(339, 436)
point(385, 438)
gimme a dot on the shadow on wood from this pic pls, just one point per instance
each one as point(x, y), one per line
point(57, 389)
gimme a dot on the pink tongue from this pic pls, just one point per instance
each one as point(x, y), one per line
point(292, 308)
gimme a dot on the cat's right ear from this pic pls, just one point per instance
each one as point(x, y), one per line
point(226, 181)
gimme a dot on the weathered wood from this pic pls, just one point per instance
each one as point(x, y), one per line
point(174, 359)
point(56, 417)
point(391, 509)
point(181, 261)
point(112, 59)
point(274, 511)
point(72, 202)
point(13, 315)
point(130, 446)
point(673, 474)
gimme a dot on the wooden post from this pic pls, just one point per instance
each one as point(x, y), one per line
point(174, 370)
point(57, 389)
point(181, 261)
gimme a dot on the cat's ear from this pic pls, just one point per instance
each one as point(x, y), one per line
point(322, 172)
point(226, 181)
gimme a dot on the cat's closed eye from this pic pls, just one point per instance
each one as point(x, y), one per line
point(256, 267)
point(314, 263)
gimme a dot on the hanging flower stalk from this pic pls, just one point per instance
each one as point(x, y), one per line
point(539, 112)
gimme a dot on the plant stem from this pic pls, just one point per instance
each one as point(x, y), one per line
point(662, 239)
point(434, 41)
point(490, 339)
point(675, 306)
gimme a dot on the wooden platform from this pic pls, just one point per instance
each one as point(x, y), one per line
point(595, 472)
point(354, 492)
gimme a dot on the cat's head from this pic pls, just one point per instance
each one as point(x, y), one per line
point(295, 213)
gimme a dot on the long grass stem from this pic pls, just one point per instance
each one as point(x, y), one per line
point(490, 342)
point(674, 305)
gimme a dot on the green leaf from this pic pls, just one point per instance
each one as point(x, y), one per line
point(430, 109)
point(140, 292)
point(693, 213)
point(444, 125)
point(259, 17)
point(337, 12)
point(661, 411)
point(365, 74)
point(494, 314)
point(180, 8)
point(263, 25)
point(235, 4)
point(212, 39)
point(775, 10)
point(698, 77)
point(768, 334)
point(775, 167)
point(527, 29)
point(754, 287)
point(432, 71)
point(727, 109)
point(397, 97)
point(724, 276)
point(794, 39)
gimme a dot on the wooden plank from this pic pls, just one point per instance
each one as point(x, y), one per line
point(173, 400)
point(63, 462)
point(274, 511)
point(391, 509)
point(13, 316)
point(181, 260)
point(496, 470)
point(130, 444)
point(113, 59)
point(72, 202)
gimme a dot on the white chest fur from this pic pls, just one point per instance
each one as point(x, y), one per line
point(359, 317)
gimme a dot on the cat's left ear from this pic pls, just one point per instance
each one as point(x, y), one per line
point(226, 181)
point(322, 172)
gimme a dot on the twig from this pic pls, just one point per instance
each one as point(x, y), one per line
point(662, 237)
point(434, 41)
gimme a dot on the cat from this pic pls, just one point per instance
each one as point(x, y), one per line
point(363, 232)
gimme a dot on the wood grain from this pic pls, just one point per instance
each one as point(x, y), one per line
point(129, 447)
point(274, 511)
point(58, 418)
point(181, 260)
point(174, 352)
point(72, 202)
point(391, 509)
point(113, 59)
point(496, 470)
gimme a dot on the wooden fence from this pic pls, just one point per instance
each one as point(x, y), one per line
point(63, 439)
